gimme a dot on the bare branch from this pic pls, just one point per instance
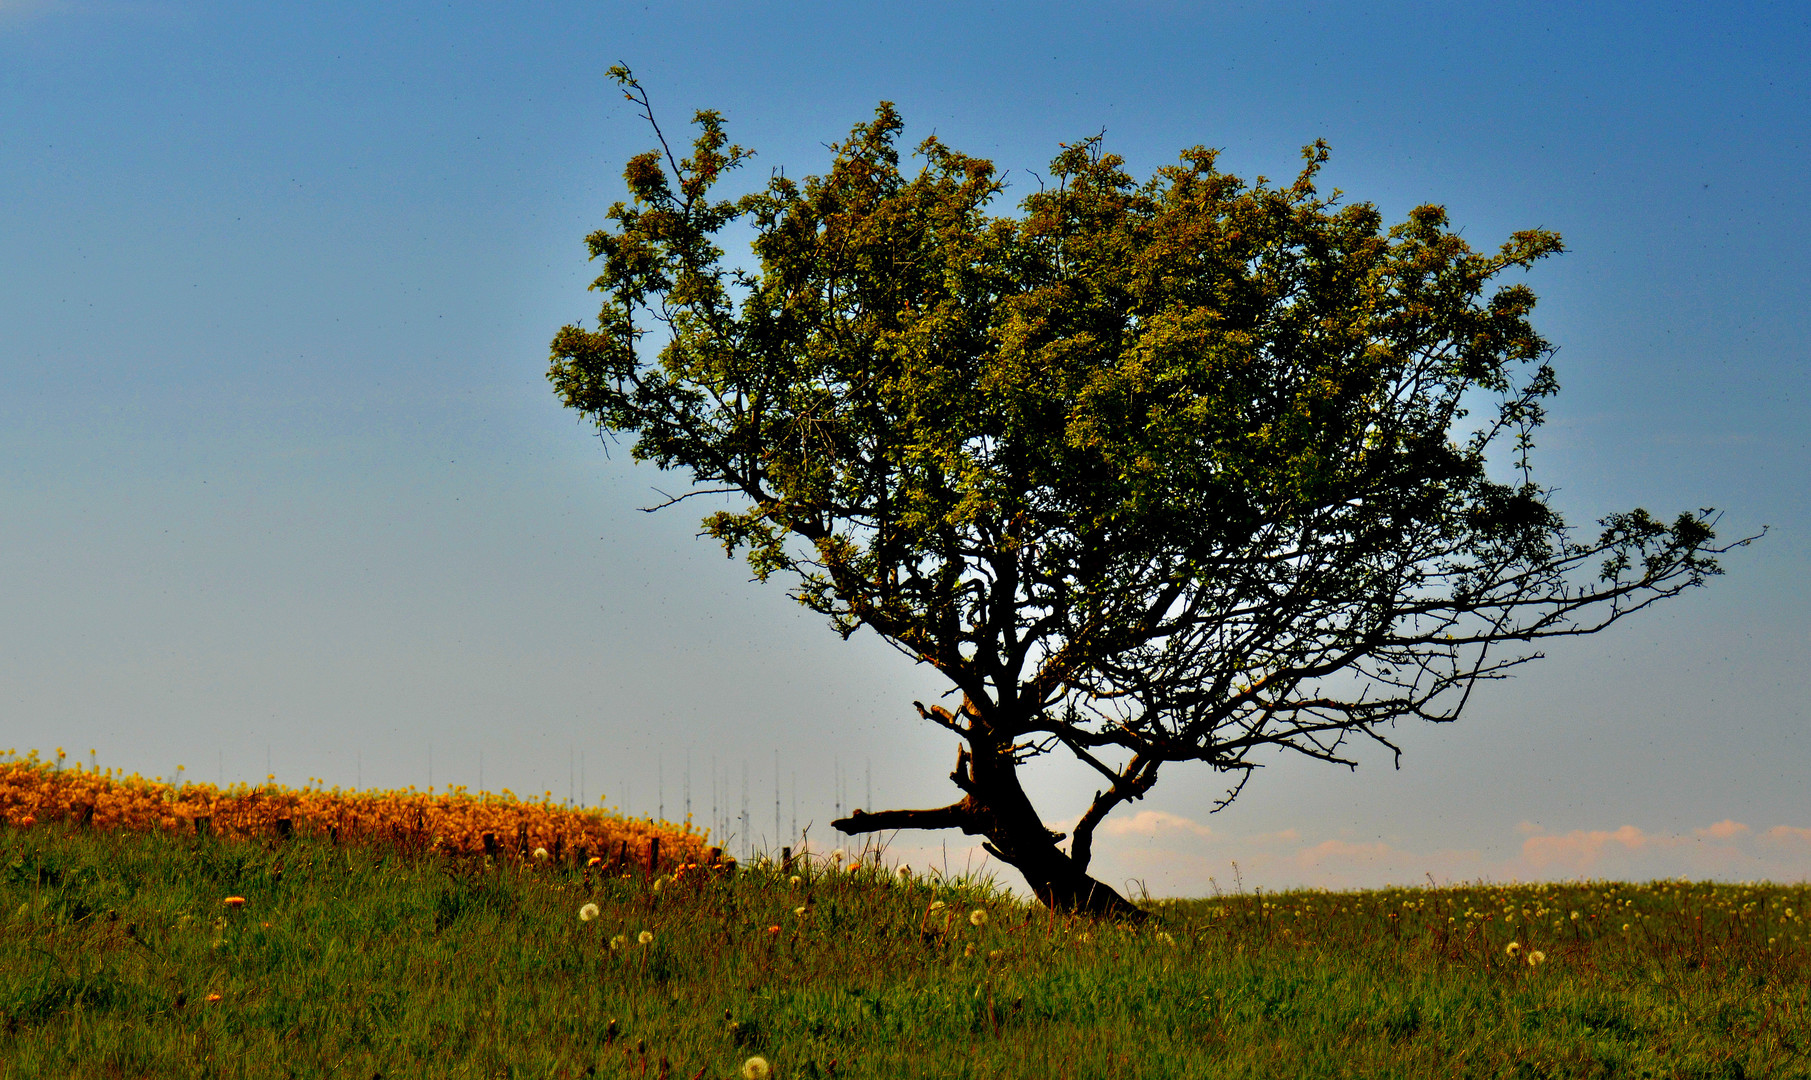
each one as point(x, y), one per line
point(958, 815)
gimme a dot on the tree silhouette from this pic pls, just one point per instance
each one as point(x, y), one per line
point(1174, 471)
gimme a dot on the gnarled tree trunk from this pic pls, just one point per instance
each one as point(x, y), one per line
point(995, 807)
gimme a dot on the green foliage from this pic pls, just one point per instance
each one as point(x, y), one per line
point(355, 962)
point(1179, 469)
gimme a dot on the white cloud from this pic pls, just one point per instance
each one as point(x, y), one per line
point(1722, 830)
point(1153, 823)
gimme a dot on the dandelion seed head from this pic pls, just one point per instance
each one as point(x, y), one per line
point(936, 905)
point(617, 942)
point(646, 937)
point(795, 881)
point(756, 1068)
point(799, 911)
point(904, 871)
point(1575, 916)
point(1536, 958)
point(541, 855)
point(588, 912)
point(978, 917)
point(1514, 949)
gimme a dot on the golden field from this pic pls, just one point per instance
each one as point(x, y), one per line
point(454, 822)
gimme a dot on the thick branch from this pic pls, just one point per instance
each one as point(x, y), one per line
point(1140, 773)
point(959, 815)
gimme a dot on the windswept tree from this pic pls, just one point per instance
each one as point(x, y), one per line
point(1176, 471)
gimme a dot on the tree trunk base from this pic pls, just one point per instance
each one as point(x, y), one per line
point(1064, 888)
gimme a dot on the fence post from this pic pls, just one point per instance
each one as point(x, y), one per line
point(653, 855)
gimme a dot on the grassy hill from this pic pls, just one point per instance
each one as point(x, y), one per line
point(126, 954)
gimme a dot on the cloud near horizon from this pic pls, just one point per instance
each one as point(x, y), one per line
point(1153, 823)
point(1183, 857)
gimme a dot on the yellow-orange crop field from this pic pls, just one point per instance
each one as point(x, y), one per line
point(456, 822)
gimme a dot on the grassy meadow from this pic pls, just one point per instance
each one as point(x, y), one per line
point(172, 954)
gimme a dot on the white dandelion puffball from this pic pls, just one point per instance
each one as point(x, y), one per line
point(617, 942)
point(1536, 958)
point(978, 917)
point(646, 937)
point(588, 912)
point(936, 905)
point(795, 881)
point(541, 855)
point(837, 855)
point(904, 871)
point(799, 911)
point(1514, 949)
point(756, 1068)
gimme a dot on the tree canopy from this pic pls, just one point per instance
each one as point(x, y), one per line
point(1150, 472)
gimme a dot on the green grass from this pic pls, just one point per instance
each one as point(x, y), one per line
point(359, 962)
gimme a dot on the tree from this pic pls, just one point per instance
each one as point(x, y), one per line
point(1174, 471)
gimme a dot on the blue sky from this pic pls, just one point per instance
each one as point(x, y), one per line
point(281, 478)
